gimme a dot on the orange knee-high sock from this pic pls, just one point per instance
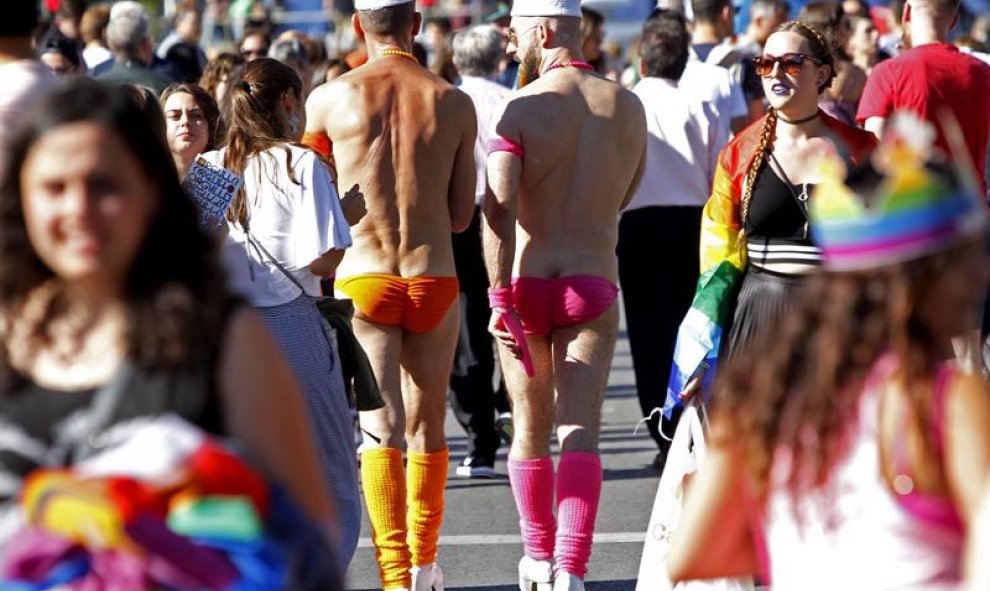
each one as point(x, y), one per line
point(426, 482)
point(384, 482)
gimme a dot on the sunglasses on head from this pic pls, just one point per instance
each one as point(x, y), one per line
point(790, 63)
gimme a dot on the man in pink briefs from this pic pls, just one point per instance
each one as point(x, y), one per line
point(567, 157)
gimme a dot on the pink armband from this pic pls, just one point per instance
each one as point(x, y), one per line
point(499, 144)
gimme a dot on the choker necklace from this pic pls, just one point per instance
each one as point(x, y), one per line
point(579, 64)
point(400, 52)
point(797, 121)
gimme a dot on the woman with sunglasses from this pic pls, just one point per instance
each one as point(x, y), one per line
point(754, 228)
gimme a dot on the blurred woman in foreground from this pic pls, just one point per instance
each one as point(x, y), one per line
point(105, 278)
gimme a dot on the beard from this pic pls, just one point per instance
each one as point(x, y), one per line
point(529, 66)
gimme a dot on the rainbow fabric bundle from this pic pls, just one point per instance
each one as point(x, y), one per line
point(169, 509)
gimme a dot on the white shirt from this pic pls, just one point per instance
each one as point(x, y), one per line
point(486, 96)
point(95, 55)
point(714, 84)
point(682, 144)
point(296, 222)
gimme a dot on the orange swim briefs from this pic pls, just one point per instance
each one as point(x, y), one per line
point(417, 304)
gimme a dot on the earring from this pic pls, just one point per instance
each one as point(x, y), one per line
point(294, 125)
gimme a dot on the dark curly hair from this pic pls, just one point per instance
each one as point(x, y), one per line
point(174, 292)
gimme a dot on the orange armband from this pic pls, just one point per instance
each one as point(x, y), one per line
point(320, 142)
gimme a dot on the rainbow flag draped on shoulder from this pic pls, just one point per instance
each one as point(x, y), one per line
point(722, 259)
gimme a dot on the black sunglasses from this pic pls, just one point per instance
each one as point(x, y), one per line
point(791, 63)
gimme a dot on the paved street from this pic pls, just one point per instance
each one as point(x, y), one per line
point(480, 544)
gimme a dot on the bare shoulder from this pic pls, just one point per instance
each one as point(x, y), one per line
point(329, 95)
point(512, 113)
point(630, 102)
point(456, 100)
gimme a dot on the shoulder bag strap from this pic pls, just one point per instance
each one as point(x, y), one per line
point(264, 251)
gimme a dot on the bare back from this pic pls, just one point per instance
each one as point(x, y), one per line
point(405, 137)
point(584, 138)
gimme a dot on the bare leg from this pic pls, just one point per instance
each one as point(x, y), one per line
point(532, 400)
point(582, 356)
point(384, 427)
point(426, 361)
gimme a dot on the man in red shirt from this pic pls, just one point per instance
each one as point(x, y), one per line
point(932, 78)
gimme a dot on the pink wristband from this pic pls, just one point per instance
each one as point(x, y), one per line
point(500, 297)
point(500, 144)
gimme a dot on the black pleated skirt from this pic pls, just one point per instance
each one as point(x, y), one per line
point(763, 299)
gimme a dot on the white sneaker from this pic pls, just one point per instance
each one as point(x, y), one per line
point(565, 581)
point(476, 467)
point(428, 577)
point(535, 575)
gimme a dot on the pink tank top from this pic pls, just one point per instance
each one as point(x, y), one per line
point(858, 534)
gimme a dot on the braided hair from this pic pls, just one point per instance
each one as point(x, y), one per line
point(821, 50)
point(766, 142)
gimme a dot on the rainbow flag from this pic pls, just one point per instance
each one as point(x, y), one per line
point(722, 260)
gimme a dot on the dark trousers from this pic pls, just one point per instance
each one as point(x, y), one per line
point(476, 391)
point(658, 271)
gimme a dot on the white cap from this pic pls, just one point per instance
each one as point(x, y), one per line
point(546, 8)
point(376, 4)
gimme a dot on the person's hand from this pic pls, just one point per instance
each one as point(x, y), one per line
point(692, 387)
point(496, 326)
point(353, 205)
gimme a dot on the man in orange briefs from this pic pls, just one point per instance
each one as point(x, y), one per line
point(406, 138)
point(568, 157)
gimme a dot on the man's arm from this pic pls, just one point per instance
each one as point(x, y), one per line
point(463, 179)
point(639, 115)
point(877, 101)
point(499, 208)
point(317, 134)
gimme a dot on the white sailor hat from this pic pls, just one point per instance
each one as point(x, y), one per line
point(377, 4)
point(547, 8)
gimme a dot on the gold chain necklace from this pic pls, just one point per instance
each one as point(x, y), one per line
point(401, 52)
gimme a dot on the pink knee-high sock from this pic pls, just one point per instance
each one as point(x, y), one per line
point(532, 487)
point(579, 486)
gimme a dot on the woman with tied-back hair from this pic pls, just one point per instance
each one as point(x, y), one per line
point(286, 231)
point(107, 281)
point(849, 451)
point(755, 222)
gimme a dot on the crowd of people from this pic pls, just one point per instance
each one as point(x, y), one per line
point(439, 217)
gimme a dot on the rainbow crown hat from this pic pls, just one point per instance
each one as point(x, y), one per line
point(913, 212)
